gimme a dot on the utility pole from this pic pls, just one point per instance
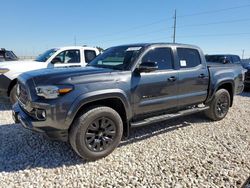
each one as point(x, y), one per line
point(243, 53)
point(174, 35)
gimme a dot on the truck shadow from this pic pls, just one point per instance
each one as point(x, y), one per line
point(246, 93)
point(21, 149)
point(5, 107)
point(4, 104)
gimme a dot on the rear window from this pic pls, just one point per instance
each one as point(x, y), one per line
point(188, 57)
point(89, 55)
point(236, 59)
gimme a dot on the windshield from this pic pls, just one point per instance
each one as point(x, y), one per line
point(119, 58)
point(11, 55)
point(46, 55)
point(246, 64)
point(215, 58)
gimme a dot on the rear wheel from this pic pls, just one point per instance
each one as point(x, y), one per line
point(219, 106)
point(13, 98)
point(96, 133)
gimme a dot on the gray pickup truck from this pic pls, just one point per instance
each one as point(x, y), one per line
point(126, 86)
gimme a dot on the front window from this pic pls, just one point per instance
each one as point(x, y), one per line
point(68, 56)
point(120, 58)
point(163, 57)
point(46, 55)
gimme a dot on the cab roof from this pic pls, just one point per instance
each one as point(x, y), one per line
point(160, 43)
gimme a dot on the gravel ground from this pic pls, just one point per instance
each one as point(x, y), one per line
point(189, 152)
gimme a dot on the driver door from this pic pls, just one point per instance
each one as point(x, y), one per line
point(156, 91)
point(67, 58)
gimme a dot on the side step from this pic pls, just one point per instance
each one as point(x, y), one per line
point(168, 116)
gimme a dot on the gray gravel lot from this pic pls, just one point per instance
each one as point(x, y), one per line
point(187, 152)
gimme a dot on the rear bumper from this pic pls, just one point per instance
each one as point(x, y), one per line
point(20, 116)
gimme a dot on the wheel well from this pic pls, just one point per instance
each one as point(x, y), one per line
point(229, 88)
point(113, 103)
point(13, 82)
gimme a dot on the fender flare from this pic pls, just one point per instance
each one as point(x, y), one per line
point(217, 85)
point(86, 98)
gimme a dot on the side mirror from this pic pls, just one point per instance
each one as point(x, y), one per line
point(56, 60)
point(147, 67)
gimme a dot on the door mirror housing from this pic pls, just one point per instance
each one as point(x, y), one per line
point(56, 60)
point(147, 67)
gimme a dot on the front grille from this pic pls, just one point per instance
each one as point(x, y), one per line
point(22, 94)
point(247, 75)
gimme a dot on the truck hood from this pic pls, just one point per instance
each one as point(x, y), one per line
point(6, 64)
point(9, 64)
point(66, 75)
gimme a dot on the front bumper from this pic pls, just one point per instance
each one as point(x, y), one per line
point(4, 85)
point(20, 116)
point(247, 84)
point(247, 79)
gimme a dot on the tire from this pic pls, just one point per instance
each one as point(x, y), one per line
point(96, 133)
point(13, 98)
point(219, 105)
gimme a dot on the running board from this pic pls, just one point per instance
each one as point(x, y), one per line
point(167, 116)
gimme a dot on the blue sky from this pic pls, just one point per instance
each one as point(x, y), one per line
point(218, 26)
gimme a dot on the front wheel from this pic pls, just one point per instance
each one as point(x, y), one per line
point(96, 133)
point(219, 105)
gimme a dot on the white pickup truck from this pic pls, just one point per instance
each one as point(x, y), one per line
point(73, 56)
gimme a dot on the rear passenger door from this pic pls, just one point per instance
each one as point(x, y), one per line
point(193, 77)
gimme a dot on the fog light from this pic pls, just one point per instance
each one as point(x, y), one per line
point(40, 114)
point(44, 114)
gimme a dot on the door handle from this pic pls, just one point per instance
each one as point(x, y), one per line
point(202, 76)
point(172, 79)
point(75, 66)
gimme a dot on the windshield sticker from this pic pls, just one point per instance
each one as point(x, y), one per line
point(133, 49)
point(183, 63)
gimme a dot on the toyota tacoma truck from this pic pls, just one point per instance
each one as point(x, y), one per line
point(73, 56)
point(246, 65)
point(124, 87)
point(223, 58)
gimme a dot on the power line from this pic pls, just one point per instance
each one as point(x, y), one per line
point(215, 11)
point(181, 26)
point(164, 20)
point(204, 35)
point(215, 35)
point(137, 35)
point(215, 23)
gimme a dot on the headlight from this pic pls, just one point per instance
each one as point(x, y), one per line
point(52, 92)
point(243, 72)
point(3, 70)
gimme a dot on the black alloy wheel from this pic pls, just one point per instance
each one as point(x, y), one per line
point(100, 134)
